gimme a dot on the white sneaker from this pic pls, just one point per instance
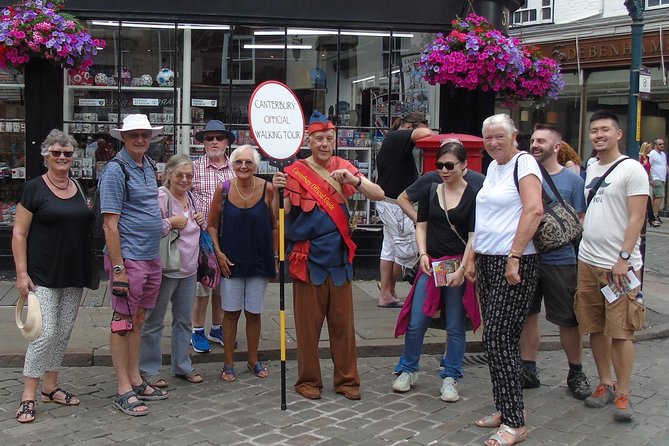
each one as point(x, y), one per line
point(449, 393)
point(405, 381)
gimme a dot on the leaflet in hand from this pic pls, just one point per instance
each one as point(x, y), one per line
point(612, 293)
point(442, 270)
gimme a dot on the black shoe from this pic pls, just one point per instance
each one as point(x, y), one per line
point(530, 379)
point(659, 220)
point(579, 385)
point(653, 223)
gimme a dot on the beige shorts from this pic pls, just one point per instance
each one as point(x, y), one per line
point(617, 320)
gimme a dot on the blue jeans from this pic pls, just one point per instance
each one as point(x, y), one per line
point(419, 322)
point(181, 293)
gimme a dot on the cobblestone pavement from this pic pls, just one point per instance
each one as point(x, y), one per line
point(247, 412)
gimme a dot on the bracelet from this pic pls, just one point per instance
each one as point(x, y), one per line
point(514, 256)
point(424, 254)
point(516, 253)
point(357, 186)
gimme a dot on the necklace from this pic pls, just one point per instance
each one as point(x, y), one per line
point(55, 185)
point(252, 189)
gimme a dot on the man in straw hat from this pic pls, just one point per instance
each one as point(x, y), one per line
point(321, 257)
point(210, 170)
point(132, 227)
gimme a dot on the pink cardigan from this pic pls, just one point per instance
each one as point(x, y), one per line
point(433, 302)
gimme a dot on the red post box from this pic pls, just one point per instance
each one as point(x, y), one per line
point(430, 146)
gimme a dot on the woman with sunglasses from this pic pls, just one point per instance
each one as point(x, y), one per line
point(244, 232)
point(51, 246)
point(178, 287)
point(445, 222)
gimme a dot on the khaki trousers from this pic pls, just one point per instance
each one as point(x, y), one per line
point(311, 305)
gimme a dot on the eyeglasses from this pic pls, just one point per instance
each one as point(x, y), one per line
point(58, 153)
point(181, 176)
point(244, 163)
point(448, 165)
point(210, 138)
point(138, 135)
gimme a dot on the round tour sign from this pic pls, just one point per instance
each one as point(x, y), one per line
point(276, 120)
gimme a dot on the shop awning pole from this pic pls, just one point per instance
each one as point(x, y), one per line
point(635, 9)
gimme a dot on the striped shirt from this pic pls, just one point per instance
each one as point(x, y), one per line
point(206, 177)
point(140, 224)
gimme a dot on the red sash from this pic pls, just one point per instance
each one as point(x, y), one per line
point(319, 190)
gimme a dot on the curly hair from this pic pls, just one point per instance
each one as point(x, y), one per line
point(567, 153)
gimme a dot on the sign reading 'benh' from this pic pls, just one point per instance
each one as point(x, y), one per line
point(276, 120)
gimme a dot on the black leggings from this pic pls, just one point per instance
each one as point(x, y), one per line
point(504, 309)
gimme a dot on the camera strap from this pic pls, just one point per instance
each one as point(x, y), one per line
point(127, 305)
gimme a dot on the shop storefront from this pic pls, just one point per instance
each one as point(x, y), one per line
point(199, 61)
point(596, 72)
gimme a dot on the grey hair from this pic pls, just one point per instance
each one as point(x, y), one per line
point(173, 164)
point(235, 154)
point(56, 136)
point(501, 120)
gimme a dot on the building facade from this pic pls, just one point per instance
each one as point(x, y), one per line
point(185, 63)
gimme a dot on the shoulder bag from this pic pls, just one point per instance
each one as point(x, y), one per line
point(559, 225)
point(593, 191)
point(93, 279)
point(170, 258)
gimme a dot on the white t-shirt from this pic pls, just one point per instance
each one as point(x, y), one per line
point(658, 165)
point(607, 216)
point(498, 206)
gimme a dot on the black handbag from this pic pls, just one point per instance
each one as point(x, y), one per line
point(93, 279)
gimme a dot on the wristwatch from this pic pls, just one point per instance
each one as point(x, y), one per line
point(118, 269)
point(624, 255)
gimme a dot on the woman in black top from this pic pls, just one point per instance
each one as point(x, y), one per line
point(51, 249)
point(440, 236)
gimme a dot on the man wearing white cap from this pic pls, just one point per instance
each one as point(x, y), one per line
point(132, 227)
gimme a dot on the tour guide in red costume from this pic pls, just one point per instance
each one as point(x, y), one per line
point(320, 254)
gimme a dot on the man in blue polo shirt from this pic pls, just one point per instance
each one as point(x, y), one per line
point(132, 227)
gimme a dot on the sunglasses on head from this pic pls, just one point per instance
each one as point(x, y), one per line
point(448, 165)
point(58, 153)
point(210, 138)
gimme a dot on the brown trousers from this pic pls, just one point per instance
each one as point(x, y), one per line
point(311, 305)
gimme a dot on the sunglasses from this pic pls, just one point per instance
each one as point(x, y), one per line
point(181, 176)
point(138, 135)
point(243, 163)
point(58, 153)
point(210, 138)
point(448, 165)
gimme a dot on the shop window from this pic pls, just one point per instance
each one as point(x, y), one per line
point(238, 63)
point(650, 4)
point(534, 12)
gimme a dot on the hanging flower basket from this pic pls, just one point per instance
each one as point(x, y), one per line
point(474, 55)
point(38, 29)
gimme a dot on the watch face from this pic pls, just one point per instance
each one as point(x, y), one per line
point(624, 255)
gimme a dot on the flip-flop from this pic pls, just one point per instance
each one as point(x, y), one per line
point(396, 304)
point(228, 374)
point(258, 370)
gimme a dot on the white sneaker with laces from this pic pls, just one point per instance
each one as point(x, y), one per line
point(405, 381)
point(449, 393)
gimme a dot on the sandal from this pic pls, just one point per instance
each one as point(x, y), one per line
point(228, 373)
point(68, 398)
point(258, 370)
point(494, 420)
point(191, 377)
point(507, 436)
point(156, 381)
point(122, 403)
point(156, 395)
point(27, 408)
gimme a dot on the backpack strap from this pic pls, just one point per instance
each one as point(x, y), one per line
point(126, 176)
